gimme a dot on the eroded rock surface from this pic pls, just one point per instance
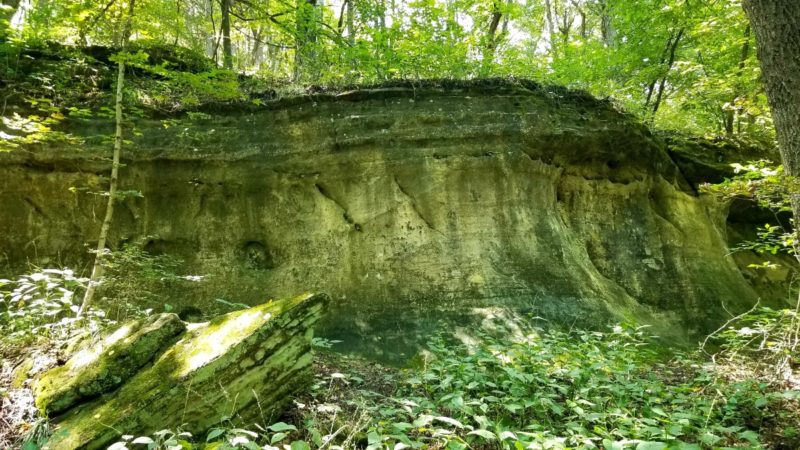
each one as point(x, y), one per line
point(412, 207)
point(244, 367)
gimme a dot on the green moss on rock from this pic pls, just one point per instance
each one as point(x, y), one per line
point(243, 367)
point(106, 363)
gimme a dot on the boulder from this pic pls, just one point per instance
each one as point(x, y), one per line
point(240, 368)
point(104, 364)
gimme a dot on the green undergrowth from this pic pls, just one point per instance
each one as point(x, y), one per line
point(551, 390)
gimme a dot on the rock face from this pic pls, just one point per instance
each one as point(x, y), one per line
point(411, 207)
point(243, 367)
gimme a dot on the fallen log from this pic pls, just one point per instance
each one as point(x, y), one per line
point(241, 368)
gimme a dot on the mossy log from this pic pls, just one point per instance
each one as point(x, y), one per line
point(105, 364)
point(242, 367)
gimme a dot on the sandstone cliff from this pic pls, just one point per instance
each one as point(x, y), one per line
point(409, 206)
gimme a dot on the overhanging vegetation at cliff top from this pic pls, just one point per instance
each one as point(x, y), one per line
point(168, 81)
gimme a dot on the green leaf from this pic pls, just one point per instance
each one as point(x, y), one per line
point(214, 433)
point(455, 445)
point(281, 426)
point(299, 445)
point(750, 436)
point(685, 446)
point(709, 439)
point(651, 445)
point(486, 434)
point(659, 411)
point(450, 420)
point(505, 435)
point(373, 438)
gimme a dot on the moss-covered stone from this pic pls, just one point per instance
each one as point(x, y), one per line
point(104, 364)
point(243, 367)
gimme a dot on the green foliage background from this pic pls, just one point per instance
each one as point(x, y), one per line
point(617, 48)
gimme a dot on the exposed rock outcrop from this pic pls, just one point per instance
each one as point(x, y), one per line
point(243, 367)
point(411, 207)
point(702, 160)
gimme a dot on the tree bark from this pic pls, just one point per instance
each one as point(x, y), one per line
point(227, 49)
point(100, 251)
point(342, 12)
point(215, 35)
point(777, 31)
point(350, 23)
point(776, 25)
point(606, 30)
point(582, 14)
point(258, 47)
point(551, 28)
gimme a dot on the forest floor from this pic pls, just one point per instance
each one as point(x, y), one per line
point(565, 390)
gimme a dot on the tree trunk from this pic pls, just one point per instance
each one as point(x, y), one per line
point(227, 49)
point(305, 37)
point(731, 113)
point(214, 47)
point(582, 14)
point(777, 32)
point(565, 27)
point(491, 40)
point(100, 252)
point(671, 61)
point(652, 86)
point(742, 63)
point(350, 22)
point(551, 28)
point(258, 47)
point(342, 12)
point(606, 29)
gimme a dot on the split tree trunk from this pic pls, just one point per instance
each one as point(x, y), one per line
point(491, 39)
point(671, 61)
